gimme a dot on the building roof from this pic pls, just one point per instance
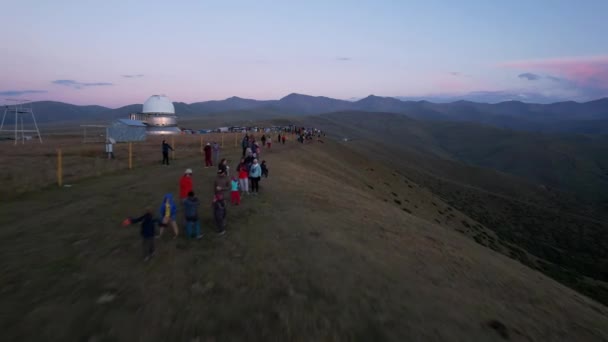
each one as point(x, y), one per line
point(158, 104)
point(130, 122)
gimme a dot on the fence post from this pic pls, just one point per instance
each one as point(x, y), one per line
point(201, 144)
point(130, 156)
point(59, 168)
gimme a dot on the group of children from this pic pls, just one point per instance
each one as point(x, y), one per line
point(249, 174)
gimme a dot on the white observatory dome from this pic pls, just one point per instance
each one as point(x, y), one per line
point(158, 104)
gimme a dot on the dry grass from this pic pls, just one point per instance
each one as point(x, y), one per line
point(33, 166)
point(319, 255)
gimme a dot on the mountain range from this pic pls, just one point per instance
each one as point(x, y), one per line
point(572, 117)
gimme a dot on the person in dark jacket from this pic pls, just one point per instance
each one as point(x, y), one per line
point(264, 169)
point(223, 167)
point(166, 147)
point(245, 143)
point(207, 150)
point(193, 226)
point(219, 213)
point(147, 231)
point(222, 182)
point(249, 160)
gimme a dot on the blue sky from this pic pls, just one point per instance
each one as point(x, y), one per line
point(115, 53)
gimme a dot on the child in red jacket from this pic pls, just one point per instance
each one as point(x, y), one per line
point(185, 184)
point(243, 177)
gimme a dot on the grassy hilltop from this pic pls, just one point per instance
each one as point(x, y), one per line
point(338, 246)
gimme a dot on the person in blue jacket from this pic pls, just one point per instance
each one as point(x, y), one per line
point(147, 231)
point(168, 214)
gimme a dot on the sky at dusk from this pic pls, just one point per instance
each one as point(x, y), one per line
point(115, 53)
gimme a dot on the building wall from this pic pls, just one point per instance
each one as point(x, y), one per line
point(124, 133)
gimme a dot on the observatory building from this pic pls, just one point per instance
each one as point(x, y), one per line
point(158, 115)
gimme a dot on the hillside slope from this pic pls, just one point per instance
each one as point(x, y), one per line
point(566, 236)
point(572, 163)
point(324, 253)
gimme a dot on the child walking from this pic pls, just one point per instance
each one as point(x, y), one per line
point(255, 173)
point(148, 223)
point(235, 195)
point(219, 213)
point(193, 226)
point(243, 177)
point(264, 169)
point(168, 213)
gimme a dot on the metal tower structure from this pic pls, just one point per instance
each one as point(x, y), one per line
point(20, 109)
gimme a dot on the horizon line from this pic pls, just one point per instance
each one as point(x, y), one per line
point(351, 100)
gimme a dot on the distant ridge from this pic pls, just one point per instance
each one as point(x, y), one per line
point(568, 116)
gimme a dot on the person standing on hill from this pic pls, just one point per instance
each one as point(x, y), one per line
point(185, 184)
point(283, 139)
point(219, 212)
point(193, 226)
point(245, 143)
point(243, 171)
point(264, 169)
point(223, 167)
point(249, 160)
point(235, 195)
point(264, 140)
point(216, 152)
point(207, 150)
point(255, 173)
point(279, 138)
point(221, 182)
point(148, 223)
point(256, 149)
point(168, 213)
point(166, 147)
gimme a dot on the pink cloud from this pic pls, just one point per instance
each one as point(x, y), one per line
point(590, 73)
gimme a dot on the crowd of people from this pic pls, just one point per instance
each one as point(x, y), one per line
point(244, 182)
